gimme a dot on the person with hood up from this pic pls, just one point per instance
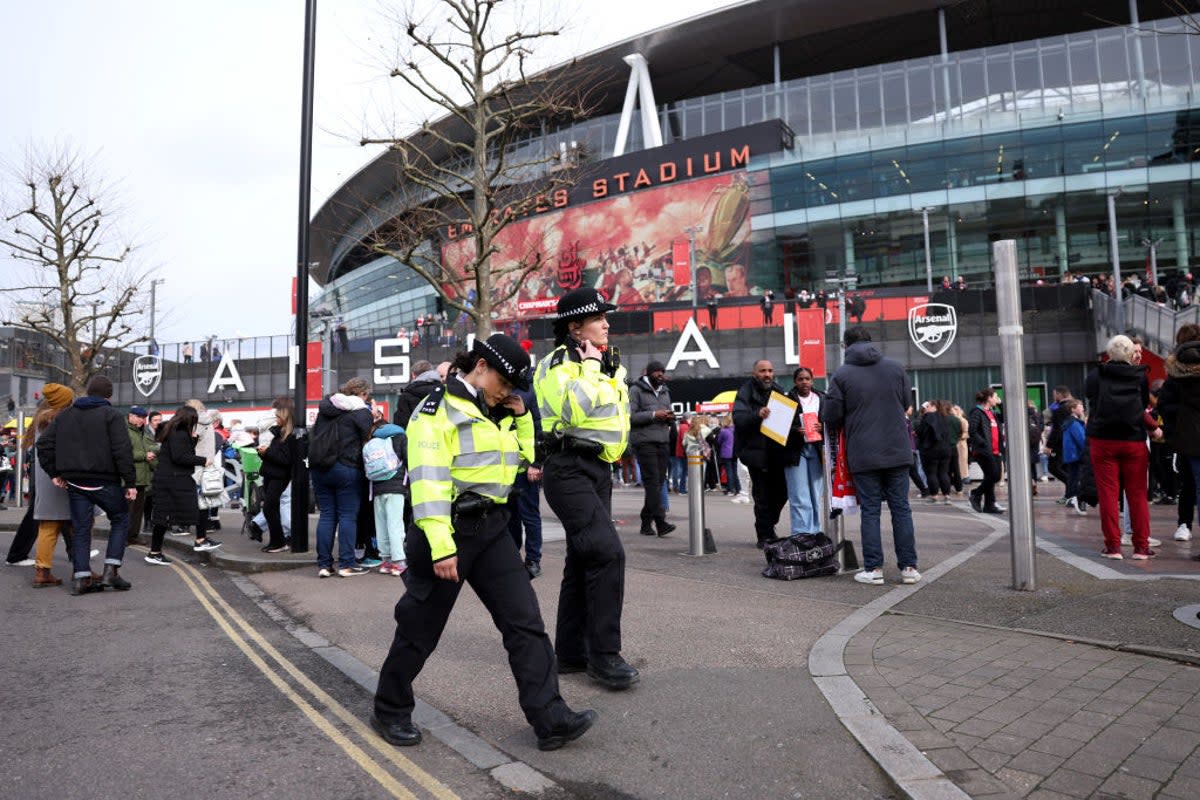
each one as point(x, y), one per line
point(86, 451)
point(867, 400)
point(650, 420)
point(338, 487)
point(1118, 393)
point(765, 458)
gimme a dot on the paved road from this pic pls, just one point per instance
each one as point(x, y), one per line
point(182, 687)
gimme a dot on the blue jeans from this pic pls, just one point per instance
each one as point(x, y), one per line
point(525, 511)
point(338, 495)
point(732, 481)
point(111, 500)
point(805, 485)
point(679, 474)
point(873, 487)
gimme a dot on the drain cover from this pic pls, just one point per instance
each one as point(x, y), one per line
point(1189, 615)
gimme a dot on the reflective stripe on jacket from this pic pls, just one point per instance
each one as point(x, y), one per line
point(453, 448)
point(578, 400)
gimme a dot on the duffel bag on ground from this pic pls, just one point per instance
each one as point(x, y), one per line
point(801, 556)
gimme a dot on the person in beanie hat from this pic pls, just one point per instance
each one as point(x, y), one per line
point(650, 420)
point(465, 443)
point(95, 465)
point(55, 397)
point(145, 451)
point(584, 402)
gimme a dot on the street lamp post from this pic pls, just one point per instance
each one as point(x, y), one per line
point(1153, 245)
point(691, 231)
point(153, 285)
point(1119, 314)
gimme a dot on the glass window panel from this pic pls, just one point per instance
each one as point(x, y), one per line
point(1042, 152)
point(797, 108)
point(1028, 74)
point(1114, 67)
point(895, 98)
point(845, 108)
point(822, 110)
point(755, 107)
point(1173, 60)
point(971, 79)
point(1054, 68)
point(733, 112)
point(920, 92)
point(870, 112)
point(712, 118)
point(999, 77)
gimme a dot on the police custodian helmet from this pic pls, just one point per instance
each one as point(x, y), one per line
point(582, 302)
point(506, 356)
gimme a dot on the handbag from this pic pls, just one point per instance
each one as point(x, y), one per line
point(212, 481)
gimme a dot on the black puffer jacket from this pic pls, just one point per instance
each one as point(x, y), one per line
point(278, 457)
point(750, 446)
point(88, 443)
point(353, 429)
point(412, 395)
point(1117, 394)
point(1179, 400)
point(867, 396)
point(174, 489)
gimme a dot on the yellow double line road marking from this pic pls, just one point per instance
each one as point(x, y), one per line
point(203, 591)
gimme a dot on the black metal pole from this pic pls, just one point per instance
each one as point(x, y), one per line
point(300, 466)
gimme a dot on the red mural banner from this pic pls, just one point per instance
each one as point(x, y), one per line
point(682, 252)
point(810, 339)
point(312, 380)
point(624, 247)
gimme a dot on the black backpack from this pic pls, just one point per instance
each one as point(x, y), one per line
point(323, 445)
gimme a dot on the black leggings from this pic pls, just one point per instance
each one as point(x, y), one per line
point(160, 530)
point(272, 491)
point(937, 472)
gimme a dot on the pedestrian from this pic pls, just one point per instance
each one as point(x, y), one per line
point(1118, 393)
point(425, 381)
point(768, 307)
point(210, 493)
point(733, 486)
point(1168, 410)
point(338, 486)
point(712, 311)
point(144, 452)
point(936, 446)
point(384, 457)
point(580, 386)
point(173, 485)
point(278, 458)
point(465, 443)
point(805, 471)
point(1058, 419)
point(866, 403)
point(650, 417)
point(205, 352)
point(679, 473)
point(86, 450)
point(763, 456)
point(187, 352)
point(48, 503)
point(985, 440)
point(526, 517)
point(1074, 445)
point(960, 475)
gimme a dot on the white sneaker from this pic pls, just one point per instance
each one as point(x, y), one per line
point(909, 575)
point(24, 562)
point(1080, 508)
point(1127, 540)
point(871, 576)
point(1183, 534)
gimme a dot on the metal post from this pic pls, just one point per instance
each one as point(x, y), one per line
point(928, 255)
point(153, 285)
point(945, 48)
point(691, 231)
point(1153, 245)
point(1119, 316)
point(841, 323)
point(300, 465)
point(21, 460)
point(1012, 375)
point(695, 504)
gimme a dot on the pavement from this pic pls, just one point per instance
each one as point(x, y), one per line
point(958, 686)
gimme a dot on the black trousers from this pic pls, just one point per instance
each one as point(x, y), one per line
point(937, 472)
point(1187, 491)
point(652, 458)
point(272, 491)
point(990, 464)
point(768, 488)
point(26, 535)
point(579, 490)
point(489, 562)
point(1058, 470)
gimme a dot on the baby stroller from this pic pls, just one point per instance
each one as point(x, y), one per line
point(251, 463)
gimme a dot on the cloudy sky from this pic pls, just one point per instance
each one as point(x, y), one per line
point(192, 110)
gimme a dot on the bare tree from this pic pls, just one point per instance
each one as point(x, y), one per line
point(79, 288)
point(461, 173)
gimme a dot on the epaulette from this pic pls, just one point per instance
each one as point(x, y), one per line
point(431, 402)
point(558, 357)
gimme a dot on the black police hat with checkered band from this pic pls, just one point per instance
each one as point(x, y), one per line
point(505, 355)
point(583, 302)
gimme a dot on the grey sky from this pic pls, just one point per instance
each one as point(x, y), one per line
point(193, 111)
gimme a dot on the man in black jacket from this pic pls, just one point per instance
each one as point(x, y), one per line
point(425, 381)
point(763, 457)
point(868, 398)
point(650, 420)
point(86, 450)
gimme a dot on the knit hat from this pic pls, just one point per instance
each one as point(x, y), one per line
point(57, 395)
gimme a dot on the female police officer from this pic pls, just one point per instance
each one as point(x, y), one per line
point(465, 443)
point(584, 402)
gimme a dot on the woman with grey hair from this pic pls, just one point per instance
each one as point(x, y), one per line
point(1118, 393)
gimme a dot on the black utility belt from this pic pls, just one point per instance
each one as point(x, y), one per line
point(469, 511)
point(572, 444)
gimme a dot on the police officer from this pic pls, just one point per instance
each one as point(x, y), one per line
point(465, 443)
point(584, 402)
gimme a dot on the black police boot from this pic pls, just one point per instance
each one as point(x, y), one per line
point(612, 672)
point(111, 580)
point(86, 586)
point(664, 527)
point(647, 528)
point(400, 734)
point(575, 725)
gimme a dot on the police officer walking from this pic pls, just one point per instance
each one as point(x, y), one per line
point(465, 444)
point(584, 402)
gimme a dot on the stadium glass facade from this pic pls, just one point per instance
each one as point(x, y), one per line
point(1022, 141)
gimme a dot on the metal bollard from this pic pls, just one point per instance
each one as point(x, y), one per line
point(696, 504)
point(20, 465)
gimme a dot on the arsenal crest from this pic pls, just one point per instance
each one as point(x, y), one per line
point(932, 327)
point(147, 372)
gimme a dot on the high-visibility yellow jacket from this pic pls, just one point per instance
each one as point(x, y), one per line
point(454, 448)
point(579, 400)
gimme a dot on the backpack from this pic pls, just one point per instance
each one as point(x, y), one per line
point(380, 460)
point(323, 445)
point(805, 555)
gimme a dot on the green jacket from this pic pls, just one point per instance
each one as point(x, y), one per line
point(142, 443)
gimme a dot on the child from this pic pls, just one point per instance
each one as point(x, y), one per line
point(1074, 449)
point(389, 485)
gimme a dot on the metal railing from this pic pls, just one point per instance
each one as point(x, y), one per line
point(1155, 323)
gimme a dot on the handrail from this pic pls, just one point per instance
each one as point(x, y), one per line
point(1155, 323)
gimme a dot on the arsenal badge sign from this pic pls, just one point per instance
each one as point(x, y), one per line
point(147, 372)
point(932, 327)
